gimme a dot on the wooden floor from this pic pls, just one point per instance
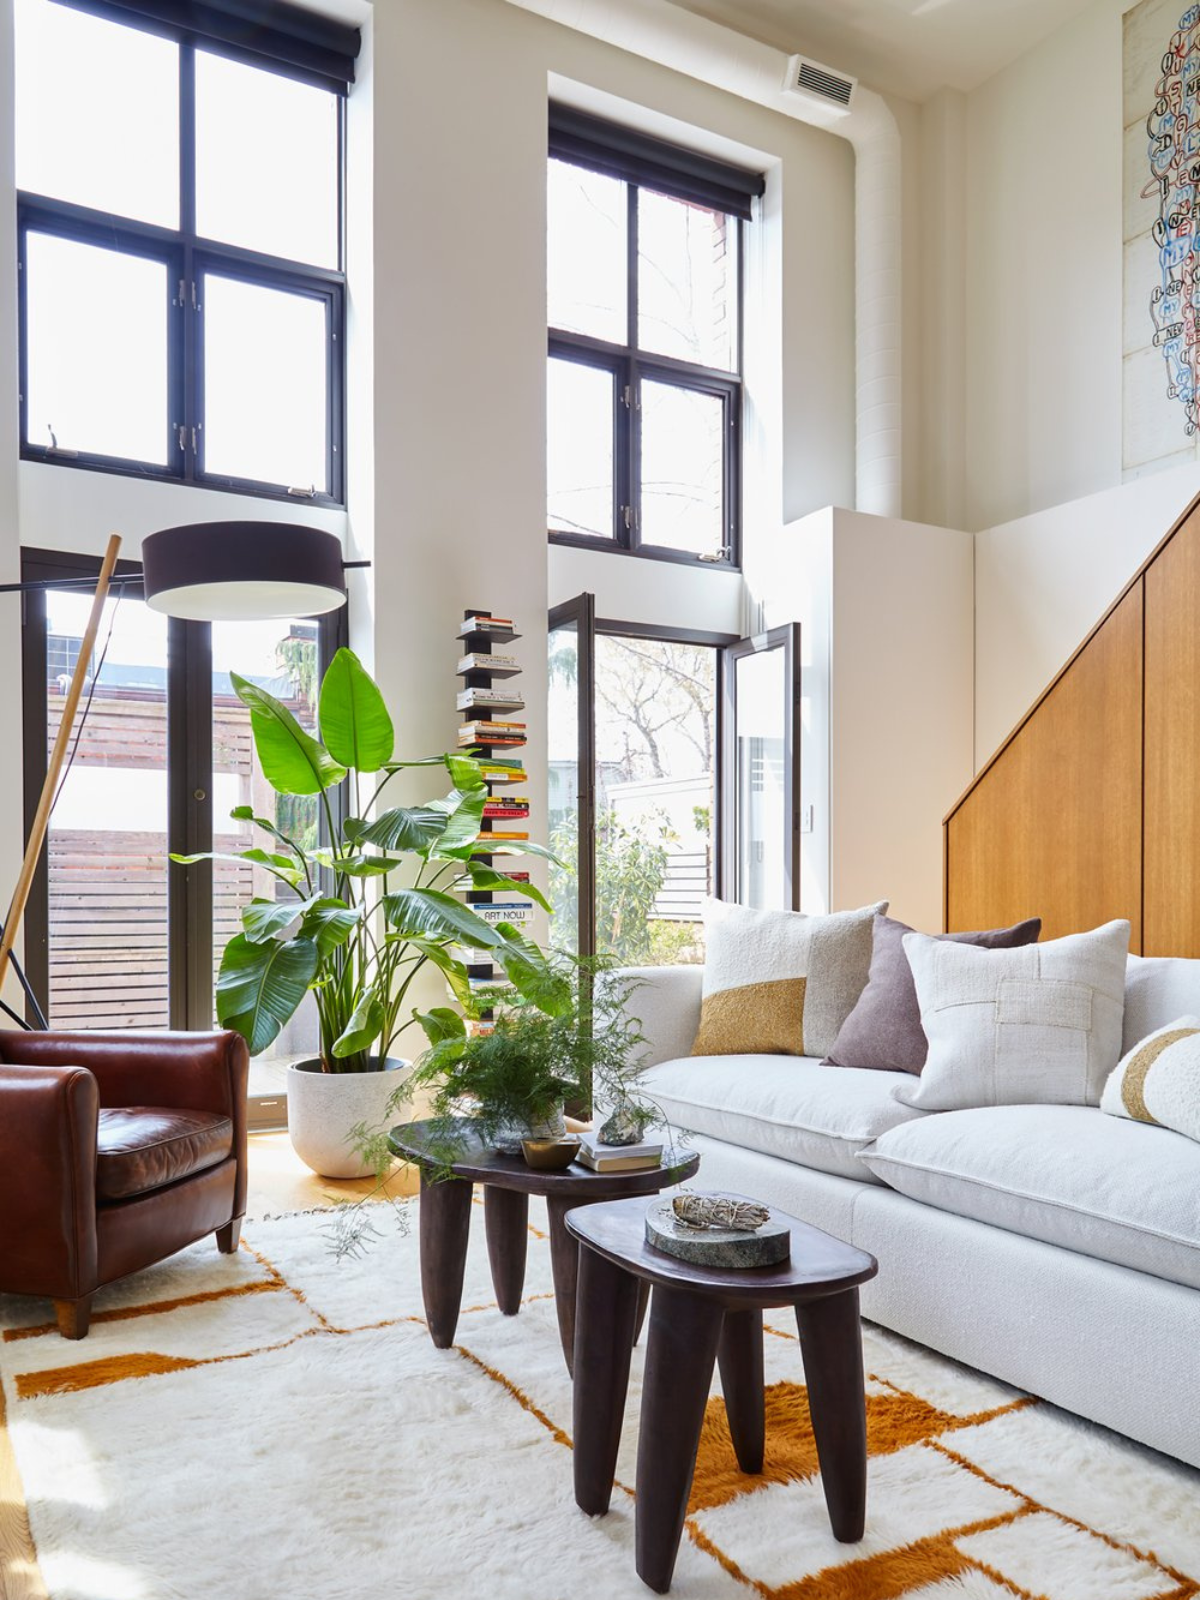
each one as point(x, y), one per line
point(279, 1182)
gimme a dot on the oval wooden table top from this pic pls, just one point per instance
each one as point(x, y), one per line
point(481, 1164)
point(819, 1264)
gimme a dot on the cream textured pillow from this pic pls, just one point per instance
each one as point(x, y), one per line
point(1040, 1025)
point(1159, 1080)
point(778, 982)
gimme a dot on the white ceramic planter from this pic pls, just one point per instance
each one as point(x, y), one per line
point(323, 1107)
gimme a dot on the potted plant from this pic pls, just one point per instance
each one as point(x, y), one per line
point(362, 912)
point(511, 1083)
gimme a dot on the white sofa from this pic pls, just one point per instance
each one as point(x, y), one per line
point(1055, 1247)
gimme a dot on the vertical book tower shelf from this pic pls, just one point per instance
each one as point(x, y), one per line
point(491, 704)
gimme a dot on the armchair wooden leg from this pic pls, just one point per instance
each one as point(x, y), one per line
point(228, 1236)
point(73, 1317)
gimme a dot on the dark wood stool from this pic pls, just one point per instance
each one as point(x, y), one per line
point(699, 1315)
point(445, 1221)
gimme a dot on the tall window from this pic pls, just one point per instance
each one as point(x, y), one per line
point(180, 235)
point(644, 387)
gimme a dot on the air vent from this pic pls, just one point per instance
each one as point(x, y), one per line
point(812, 81)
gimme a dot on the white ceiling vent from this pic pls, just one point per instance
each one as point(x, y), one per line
point(811, 81)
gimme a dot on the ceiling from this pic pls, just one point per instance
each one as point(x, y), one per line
point(906, 47)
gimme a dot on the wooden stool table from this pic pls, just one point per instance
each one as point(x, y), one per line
point(445, 1221)
point(699, 1315)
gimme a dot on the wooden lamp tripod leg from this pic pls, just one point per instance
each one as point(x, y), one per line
point(62, 743)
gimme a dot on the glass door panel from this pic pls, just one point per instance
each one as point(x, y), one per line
point(571, 763)
point(762, 770)
point(106, 850)
point(281, 657)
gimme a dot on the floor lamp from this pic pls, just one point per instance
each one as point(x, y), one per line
point(202, 572)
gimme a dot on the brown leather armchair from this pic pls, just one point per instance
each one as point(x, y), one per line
point(116, 1149)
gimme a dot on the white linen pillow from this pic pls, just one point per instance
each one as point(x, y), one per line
point(1038, 1025)
point(1159, 1080)
point(780, 982)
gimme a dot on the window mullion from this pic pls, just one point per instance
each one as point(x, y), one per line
point(630, 434)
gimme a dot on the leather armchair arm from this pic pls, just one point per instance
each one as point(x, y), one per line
point(191, 1071)
point(48, 1117)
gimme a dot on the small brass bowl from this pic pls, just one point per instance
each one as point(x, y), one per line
point(550, 1155)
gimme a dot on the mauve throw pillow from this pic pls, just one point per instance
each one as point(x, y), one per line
point(884, 1030)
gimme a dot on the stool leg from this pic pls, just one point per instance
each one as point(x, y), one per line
point(680, 1350)
point(831, 1344)
point(506, 1221)
point(564, 1264)
point(740, 1357)
point(606, 1305)
point(445, 1222)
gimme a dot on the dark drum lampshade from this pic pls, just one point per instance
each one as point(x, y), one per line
point(230, 571)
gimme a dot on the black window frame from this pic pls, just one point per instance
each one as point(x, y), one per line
point(638, 162)
point(189, 779)
point(188, 256)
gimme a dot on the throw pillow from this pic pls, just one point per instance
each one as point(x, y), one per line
point(1159, 1080)
point(779, 982)
point(1040, 1025)
point(884, 1032)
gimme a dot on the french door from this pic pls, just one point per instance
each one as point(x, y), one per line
point(674, 772)
point(117, 935)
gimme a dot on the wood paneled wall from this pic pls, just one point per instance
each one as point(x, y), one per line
point(1091, 808)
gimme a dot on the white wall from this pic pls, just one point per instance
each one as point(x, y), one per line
point(1044, 581)
point(887, 631)
point(1044, 284)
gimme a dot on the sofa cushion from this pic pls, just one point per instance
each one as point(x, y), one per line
point(790, 1107)
point(146, 1147)
point(1157, 990)
point(884, 1029)
point(1158, 1081)
point(1068, 1175)
point(780, 982)
point(1040, 1025)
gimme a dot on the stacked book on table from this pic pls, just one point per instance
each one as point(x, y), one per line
point(618, 1157)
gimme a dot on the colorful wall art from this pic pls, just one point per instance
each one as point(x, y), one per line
point(1162, 236)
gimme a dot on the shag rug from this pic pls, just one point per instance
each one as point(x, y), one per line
point(278, 1426)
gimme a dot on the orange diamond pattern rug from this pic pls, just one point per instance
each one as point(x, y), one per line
point(278, 1426)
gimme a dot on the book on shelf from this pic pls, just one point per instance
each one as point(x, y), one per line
point(480, 1028)
point(482, 985)
point(516, 807)
point(501, 835)
point(492, 732)
point(506, 741)
point(488, 661)
point(482, 621)
point(504, 911)
point(476, 699)
point(502, 776)
point(619, 1161)
point(647, 1148)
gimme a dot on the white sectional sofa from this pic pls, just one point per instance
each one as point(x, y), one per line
point(1055, 1247)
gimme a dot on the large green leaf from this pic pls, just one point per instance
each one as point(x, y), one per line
point(531, 974)
point(329, 923)
point(293, 762)
point(457, 838)
point(260, 986)
point(365, 1025)
point(266, 919)
point(404, 828)
point(453, 970)
point(246, 814)
point(355, 724)
point(431, 915)
point(356, 866)
point(282, 866)
point(441, 1024)
point(515, 847)
point(464, 773)
point(488, 878)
